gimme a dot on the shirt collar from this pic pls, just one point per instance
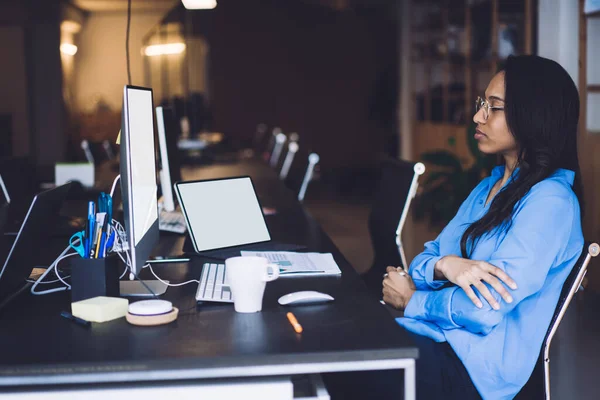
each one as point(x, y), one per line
point(563, 174)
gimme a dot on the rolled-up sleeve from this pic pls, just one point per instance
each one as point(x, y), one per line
point(541, 226)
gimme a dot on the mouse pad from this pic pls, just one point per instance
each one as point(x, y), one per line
point(222, 254)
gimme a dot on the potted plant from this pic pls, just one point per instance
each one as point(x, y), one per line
point(448, 185)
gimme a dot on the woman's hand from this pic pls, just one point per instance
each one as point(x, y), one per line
point(466, 273)
point(398, 288)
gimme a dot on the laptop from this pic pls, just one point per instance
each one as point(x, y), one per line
point(19, 257)
point(223, 217)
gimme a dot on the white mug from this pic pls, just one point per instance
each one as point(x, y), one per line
point(247, 278)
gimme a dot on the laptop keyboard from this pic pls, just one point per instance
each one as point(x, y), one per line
point(171, 221)
point(212, 286)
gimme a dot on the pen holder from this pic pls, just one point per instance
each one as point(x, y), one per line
point(91, 277)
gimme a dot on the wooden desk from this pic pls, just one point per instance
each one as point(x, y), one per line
point(212, 341)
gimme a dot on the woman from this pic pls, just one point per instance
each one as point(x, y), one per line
point(479, 299)
point(489, 284)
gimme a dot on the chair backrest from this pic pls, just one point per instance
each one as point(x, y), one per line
point(313, 160)
point(258, 140)
point(108, 149)
point(289, 159)
point(538, 386)
point(85, 146)
point(271, 144)
point(391, 202)
point(280, 140)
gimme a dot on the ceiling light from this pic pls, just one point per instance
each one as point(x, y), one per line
point(199, 4)
point(168, 48)
point(68, 48)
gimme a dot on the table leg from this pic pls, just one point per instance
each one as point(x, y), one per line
point(410, 383)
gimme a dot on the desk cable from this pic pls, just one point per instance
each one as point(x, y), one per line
point(119, 229)
point(52, 267)
point(170, 284)
point(65, 254)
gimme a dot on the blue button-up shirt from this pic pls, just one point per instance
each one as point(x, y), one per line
point(500, 348)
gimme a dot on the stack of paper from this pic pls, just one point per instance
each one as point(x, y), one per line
point(295, 264)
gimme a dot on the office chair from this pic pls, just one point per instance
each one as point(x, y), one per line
point(85, 146)
point(4, 190)
point(391, 202)
point(538, 385)
point(289, 159)
point(110, 154)
point(258, 140)
point(280, 139)
point(271, 144)
point(313, 160)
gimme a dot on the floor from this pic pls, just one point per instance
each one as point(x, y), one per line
point(575, 351)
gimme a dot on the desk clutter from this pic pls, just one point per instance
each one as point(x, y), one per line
point(99, 234)
point(100, 309)
point(103, 309)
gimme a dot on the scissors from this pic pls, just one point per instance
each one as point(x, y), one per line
point(76, 243)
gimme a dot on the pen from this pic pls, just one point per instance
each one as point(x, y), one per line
point(75, 319)
point(294, 322)
point(84, 238)
point(110, 241)
point(90, 233)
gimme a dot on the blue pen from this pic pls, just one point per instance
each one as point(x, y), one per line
point(91, 225)
point(109, 242)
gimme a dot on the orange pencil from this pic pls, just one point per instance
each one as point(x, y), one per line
point(294, 322)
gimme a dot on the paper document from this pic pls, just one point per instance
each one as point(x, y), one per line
point(295, 264)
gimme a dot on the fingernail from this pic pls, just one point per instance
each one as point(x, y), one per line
point(496, 306)
point(514, 286)
point(509, 299)
point(479, 305)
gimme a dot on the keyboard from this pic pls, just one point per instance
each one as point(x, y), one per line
point(212, 286)
point(171, 221)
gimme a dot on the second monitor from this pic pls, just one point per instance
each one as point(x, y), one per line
point(138, 175)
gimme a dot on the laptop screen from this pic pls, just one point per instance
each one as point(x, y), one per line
point(222, 213)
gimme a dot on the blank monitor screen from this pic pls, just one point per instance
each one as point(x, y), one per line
point(169, 156)
point(138, 173)
point(222, 213)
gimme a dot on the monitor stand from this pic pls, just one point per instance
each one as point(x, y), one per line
point(137, 288)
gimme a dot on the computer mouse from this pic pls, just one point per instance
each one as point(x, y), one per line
point(150, 307)
point(304, 297)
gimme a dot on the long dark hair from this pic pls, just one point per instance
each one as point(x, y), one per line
point(542, 113)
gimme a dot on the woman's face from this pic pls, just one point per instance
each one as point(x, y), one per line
point(492, 134)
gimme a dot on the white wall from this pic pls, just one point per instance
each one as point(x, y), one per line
point(558, 33)
point(101, 68)
point(593, 73)
point(13, 89)
point(558, 39)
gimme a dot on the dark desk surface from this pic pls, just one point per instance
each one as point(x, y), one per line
point(37, 346)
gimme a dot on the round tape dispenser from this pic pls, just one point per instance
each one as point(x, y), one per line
point(151, 313)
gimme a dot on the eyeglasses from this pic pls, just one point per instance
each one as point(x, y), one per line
point(487, 108)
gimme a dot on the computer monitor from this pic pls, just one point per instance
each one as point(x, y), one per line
point(170, 171)
point(138, 174)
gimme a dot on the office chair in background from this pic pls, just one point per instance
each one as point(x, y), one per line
point(313, 160)
point(259, 138)
point(391, 202)
point(538, 385)
point(85, 146)
point(280, 140)
point(110, 154)
point(289, 159)
point(265, 153)
point(299, 175)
